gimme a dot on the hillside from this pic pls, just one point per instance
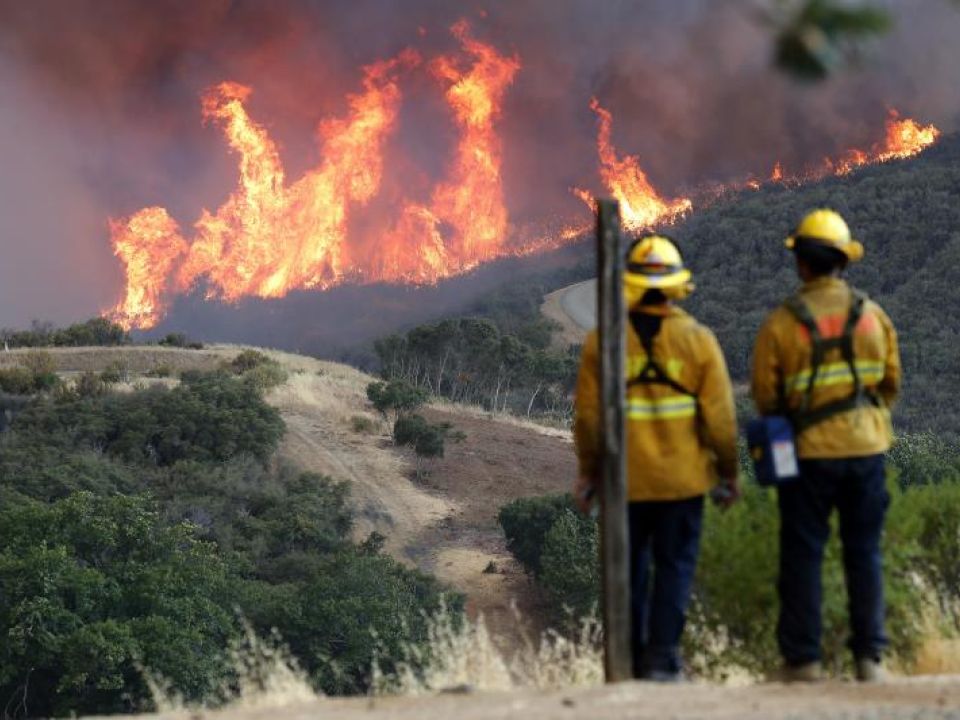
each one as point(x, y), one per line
point(906, 213)
point(444, 524)
point(908, 216)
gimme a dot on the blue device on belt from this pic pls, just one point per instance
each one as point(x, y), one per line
point(773, 450)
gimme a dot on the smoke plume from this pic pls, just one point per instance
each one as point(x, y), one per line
point(100, 110)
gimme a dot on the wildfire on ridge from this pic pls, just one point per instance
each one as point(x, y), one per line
point(271, 237)
point(903, 138)
point(641, 206)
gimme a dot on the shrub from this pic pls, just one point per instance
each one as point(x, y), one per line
point(430, 441)
point(408, 428)
point(922, 458)
point(94, 577)
point(179, 340)
point(116, 372)
point(36, 372)
point(924, 525)
point(397, 396)
point(248, 360)
point(97, 331)
point(209, 417)
point(570, 572)
point(89, 384)
point(265, 377)
point(362, 425)
point(258, 370)
point(39, 362)
point(163, 370)
point(16, 380)
point(526, 522)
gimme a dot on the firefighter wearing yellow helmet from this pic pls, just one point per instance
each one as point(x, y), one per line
point(680, 439)
point(827, 361)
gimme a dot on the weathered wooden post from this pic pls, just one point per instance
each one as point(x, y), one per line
point(614, 540)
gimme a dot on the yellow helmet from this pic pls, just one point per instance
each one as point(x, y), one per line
point(654, 263)
point(826, 227)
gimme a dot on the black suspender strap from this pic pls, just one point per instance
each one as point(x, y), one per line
point(652, 373)
point(805, 416)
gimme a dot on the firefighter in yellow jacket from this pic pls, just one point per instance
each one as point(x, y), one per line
point(827, 359)
point(680, 438)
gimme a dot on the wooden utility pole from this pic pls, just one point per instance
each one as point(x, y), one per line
point(614, 536)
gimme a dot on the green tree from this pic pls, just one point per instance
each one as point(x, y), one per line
point(396, 396)
point(92, 589)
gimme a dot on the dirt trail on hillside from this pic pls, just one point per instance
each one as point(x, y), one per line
point(443, 522)
point(499, 460)
point(319, 410)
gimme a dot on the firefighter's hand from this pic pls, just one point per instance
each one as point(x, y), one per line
point(726, 493)
point(584, 491)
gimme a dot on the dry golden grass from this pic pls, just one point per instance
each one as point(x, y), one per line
point(558, 430)
point(261, 674)
point(938, 656)
point(462, 654)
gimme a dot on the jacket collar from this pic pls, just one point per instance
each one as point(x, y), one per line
point(667, 310)
point(823, 283)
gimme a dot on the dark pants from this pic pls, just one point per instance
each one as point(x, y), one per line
point(856, 487)
point(669, 531)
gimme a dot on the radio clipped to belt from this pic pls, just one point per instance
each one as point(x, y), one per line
point(773, 450)
point(771, 439)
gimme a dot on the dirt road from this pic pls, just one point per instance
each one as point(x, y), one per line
point(575, 309)
point(907, 699)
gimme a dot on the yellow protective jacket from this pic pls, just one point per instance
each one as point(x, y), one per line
point(781, 372)
point(676, 444)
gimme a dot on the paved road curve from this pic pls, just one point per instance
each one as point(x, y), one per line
point(579, 302)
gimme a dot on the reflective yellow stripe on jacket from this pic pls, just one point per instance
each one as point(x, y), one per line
point(869, 372)
point(666, 408)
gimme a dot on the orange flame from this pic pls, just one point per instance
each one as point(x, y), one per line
point(903, 138)
point(470, 201)
point(149, 245)
point(271, 237)
point(268, 238)
point(641, 206)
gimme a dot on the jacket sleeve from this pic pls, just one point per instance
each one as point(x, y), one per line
point(766, 377)
point(586, 428)
point(717, 407)
point(889, 387)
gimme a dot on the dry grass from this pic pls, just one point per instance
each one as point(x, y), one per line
point(938, 656)
point(461, 654)
point(140, 359)
point(261, 674)
point(541, 426)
